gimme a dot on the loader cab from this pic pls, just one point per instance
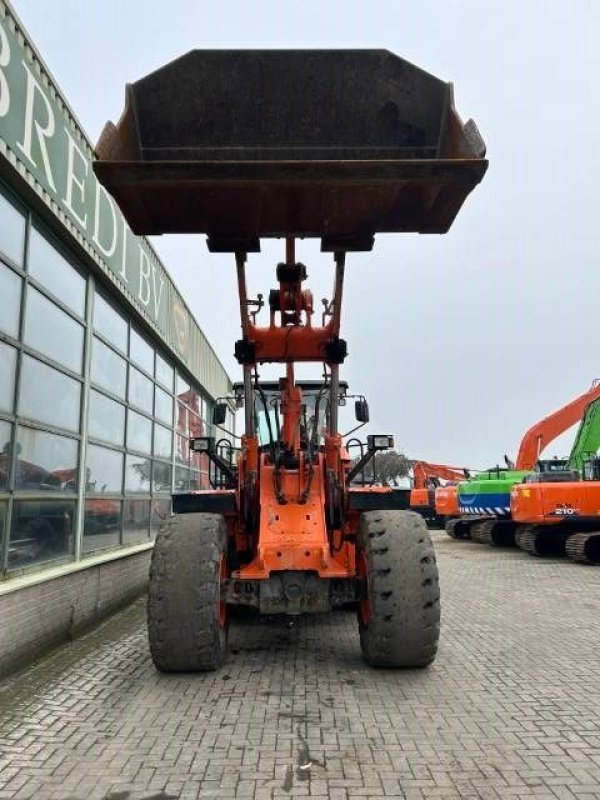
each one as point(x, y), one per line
point(314, 416)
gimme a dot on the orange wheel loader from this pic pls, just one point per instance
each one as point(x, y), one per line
point(243, 145)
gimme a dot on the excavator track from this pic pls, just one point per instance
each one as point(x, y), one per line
point(539, 541)
point(457, 529)
point(481, 532)
point(528, 539)
point(520, 533)
point(584, 548)
point(503, 533)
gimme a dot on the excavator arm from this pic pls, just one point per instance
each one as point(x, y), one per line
point(423, 471)
point(587, 439)
point(539, 436)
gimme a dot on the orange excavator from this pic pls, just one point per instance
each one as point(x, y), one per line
point(485, 501)
point(559, 513)
point(446, 503)
point(427, 479)
point(338, 145)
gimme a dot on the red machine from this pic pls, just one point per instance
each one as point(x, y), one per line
point(446, 501)
point(558, 512)
point(248, 144)
point(427, 479)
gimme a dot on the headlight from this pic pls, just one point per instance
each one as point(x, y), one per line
point(202, 444)
point(380, 442)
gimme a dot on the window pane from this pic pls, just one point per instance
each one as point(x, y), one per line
point(5, 453)
point(101, 524)
point(200, 461)
point(48, 395)
point(54, 271)
point(2, 525)
point(45, 461)
point(139, 432)
point(41, 531)
point(106, 418)
point(182, 451)
point(110, 323)
point(161, 511)
point(163, 406)
point(10, 306)
point(108, 369)
point(164, 372)
point(12, 231)
point(52, 332)
point(182, 387)
point(140, 352)
point(182, 479)
point(182, 418)
point(8, 365)
point(196, 426)
point(140, 390)
point(136, 521)
point(192, 399)
point(137, 474)
point(161, 477)
point(104, 470)
point(163, 441)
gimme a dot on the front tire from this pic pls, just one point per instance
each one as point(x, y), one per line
point(399, 614)
point(187, 622)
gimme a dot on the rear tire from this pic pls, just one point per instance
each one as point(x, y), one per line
point(399, 616)
point(187, 623)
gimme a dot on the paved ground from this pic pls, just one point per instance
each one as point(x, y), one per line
point(510, 709)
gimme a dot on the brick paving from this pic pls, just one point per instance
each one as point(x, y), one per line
point(510, 708)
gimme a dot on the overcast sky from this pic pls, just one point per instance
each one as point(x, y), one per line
point(460, 341)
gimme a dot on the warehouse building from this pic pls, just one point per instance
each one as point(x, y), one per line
point(104, 374)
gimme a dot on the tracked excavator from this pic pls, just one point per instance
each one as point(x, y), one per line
point(448, 512)
point(558, 513)
point(427, 478)
point(335, 144)
point(484, 502)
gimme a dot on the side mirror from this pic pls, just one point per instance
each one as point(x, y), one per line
point(361, 410)
point(219, 414)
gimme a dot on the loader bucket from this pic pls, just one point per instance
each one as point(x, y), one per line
point(336, 144)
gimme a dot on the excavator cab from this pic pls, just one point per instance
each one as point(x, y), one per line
point(591, 468)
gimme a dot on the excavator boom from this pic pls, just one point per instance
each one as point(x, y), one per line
point(425, 470)
point(540, 435)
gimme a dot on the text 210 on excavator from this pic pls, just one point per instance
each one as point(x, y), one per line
point(334, 144)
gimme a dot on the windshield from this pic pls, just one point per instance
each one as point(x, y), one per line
point(313, 421)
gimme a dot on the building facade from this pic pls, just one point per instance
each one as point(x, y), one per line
point(104, 373)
